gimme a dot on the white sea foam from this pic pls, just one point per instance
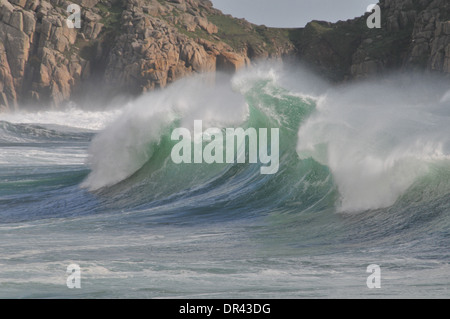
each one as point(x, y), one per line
point(128, 143)
point(32, 157)
point(72, 118)
point(377, 139)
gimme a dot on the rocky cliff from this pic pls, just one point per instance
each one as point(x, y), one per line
point(130, 46)
point(414, 34)
point(127, 46)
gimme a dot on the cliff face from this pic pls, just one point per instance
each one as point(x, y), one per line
point(127, 46)
point(414, 34)
point(130, 46)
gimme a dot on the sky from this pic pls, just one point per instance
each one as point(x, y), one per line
point(292, 13)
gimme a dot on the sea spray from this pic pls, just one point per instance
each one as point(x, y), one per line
point(225, 230)
point(378, 138)
point(372, 140)
point(128, 143)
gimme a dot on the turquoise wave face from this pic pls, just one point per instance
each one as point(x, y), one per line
point(363, 178)
point(327, 143)
point(300, 183)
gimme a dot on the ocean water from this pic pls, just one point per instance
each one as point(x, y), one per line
point(363, 179)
